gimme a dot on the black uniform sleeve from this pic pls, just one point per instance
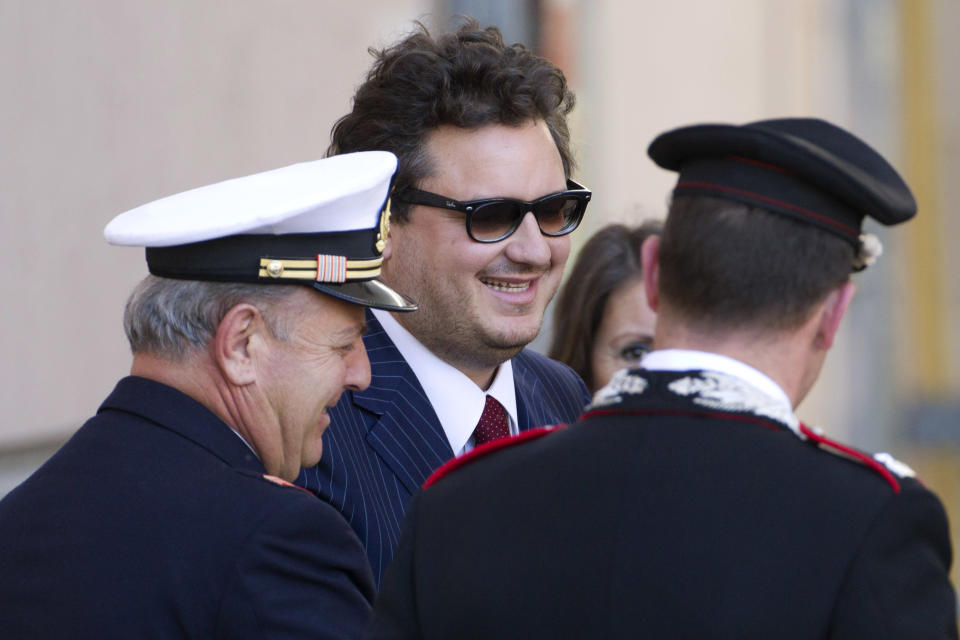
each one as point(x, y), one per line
point(395, 610)
point(898, 585)
point(303, 574)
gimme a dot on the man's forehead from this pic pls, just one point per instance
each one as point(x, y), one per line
point(354, 329)
point(495, 134)
point(495, 160)
point(329, 326)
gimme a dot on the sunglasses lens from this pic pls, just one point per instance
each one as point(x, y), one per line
point(558, 215)
point(495, 220)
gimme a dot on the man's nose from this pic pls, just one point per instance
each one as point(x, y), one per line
point(528, 245)
point(358, 368)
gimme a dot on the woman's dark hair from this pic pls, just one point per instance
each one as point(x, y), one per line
point(468, 79)
point(609, 260)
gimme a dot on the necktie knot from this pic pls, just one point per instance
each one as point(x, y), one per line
point(493, 423)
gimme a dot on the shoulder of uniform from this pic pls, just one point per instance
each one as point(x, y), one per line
point(485, 449)
point(884, 464)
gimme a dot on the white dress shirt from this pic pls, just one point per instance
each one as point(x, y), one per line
point(456, 399)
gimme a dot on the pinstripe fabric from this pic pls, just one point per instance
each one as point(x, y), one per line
point(385, 441)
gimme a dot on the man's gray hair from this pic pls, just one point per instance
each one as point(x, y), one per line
point(171, 317)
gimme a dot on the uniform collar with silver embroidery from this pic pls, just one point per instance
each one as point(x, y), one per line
point(712, 389)
point(725, 392)
point(720, 391)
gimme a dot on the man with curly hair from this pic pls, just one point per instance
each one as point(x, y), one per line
point(482, 206)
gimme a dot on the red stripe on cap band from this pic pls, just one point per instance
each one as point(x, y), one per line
point(786, 205)
point(759, 163)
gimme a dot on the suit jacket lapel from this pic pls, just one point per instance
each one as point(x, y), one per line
point(407, 435)
point(525, 386)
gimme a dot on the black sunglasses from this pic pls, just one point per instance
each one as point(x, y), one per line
point(493, 219)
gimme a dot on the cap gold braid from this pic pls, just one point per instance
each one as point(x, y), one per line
point(325, 268)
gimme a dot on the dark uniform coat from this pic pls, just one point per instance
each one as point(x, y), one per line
point(386, 440)
point(679, 508)
point(156, 521)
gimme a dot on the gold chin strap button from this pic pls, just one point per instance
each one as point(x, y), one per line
point(274, 268)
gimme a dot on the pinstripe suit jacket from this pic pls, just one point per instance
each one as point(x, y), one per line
point(383, 442)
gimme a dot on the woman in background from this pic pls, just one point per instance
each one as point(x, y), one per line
point(602, 322)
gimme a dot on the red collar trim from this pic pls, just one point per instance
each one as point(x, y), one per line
point(773, 425)
point(283, 483)
point(484, 449)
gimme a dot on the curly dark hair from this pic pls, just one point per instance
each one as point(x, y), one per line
point(609, 260)
point(468, 78)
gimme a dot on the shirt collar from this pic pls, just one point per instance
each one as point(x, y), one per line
point(456, 399)
point(690, 360)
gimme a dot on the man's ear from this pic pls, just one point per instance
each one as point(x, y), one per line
point(650, 264)
point(834, 307)
point(237, 343)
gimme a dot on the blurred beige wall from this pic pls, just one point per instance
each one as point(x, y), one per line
point(108, 104)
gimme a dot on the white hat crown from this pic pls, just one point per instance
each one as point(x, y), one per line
point(340, 193)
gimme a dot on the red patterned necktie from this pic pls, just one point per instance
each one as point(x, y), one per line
point(493, 423)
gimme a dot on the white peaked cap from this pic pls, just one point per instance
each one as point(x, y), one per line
point(320, 223)
point(339, 193)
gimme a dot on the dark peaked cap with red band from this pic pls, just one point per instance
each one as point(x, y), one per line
point(805, 168)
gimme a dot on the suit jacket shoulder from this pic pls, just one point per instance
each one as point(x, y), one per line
point(548, 392)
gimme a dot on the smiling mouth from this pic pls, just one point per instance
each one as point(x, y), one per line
point(509, 287)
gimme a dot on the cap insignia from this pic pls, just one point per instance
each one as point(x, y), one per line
point(384, 228)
